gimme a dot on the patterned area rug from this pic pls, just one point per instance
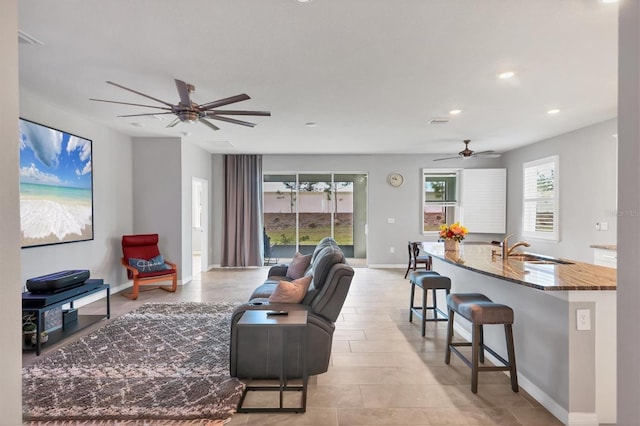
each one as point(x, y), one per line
point(166, 361)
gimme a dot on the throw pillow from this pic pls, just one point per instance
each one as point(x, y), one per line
point(291, 291)
point(298, 265)
point(151, 265)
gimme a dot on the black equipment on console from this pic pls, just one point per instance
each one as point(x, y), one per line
point(58, 281)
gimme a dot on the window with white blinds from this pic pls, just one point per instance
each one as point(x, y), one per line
point(439, 198)
point(540, 198)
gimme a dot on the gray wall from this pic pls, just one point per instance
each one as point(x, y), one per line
point(195, 163)
point(10, 354)
point(587, 185)
point(403, 204)
point(587, 189)
point(112, 195)
point(157, 199)
point(629, 209)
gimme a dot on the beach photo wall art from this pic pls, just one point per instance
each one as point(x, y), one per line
point(56, 186)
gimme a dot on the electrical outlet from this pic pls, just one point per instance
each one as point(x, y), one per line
point(583, 319)
point(391, 220)
point(604, 226)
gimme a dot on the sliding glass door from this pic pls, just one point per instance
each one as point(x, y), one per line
point(302, 208)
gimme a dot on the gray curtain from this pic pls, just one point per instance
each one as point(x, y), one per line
point(242, 219)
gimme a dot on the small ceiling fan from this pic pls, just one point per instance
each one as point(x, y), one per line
point(466, 153)
point(189, 111)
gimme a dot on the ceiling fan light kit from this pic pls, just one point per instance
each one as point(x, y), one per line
point(188, 111)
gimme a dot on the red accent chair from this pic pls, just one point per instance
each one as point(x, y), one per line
point(145, 247)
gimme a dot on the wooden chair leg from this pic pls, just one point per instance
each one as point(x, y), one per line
point(435, 303)
point(136, 290)
point(408, 267)
point(482, 344)
point(424, 311)
point(511, 357)
point(413, 293)
point(447, 353)
point(475, 349)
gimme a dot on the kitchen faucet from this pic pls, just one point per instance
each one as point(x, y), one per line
point(506, 250)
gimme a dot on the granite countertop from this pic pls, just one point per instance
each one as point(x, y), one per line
point(548, 277)
point(611, 247)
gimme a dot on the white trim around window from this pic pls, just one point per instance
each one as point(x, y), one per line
point(541, 199)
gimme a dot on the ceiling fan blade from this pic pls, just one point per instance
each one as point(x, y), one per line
point(488, 154)
point(225, 101)
point(208, 123)
point(230, 120)
point(183, 91)
point(236, 112)
point(147, 114)
point(174, 122)
point(129, 103)
point(140, 93)
point(447, 158)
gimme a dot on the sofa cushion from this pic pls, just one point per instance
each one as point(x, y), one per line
point(325, 242)
point(298, 265)
point(322, 264)
point(291, 291)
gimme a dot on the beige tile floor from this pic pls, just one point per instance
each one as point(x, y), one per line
point(382, 371)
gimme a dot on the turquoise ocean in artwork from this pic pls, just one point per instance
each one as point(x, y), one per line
point(55, 193)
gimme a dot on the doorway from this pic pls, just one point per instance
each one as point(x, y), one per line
point(199, 226)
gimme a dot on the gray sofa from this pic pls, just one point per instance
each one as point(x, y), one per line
point(256, 354)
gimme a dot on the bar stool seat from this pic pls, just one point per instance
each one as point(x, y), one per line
point(427, 280)
point(480, 311)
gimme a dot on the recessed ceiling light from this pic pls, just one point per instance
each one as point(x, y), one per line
point(608, 1)
point(311, 124)
point(455, 111)
point(304, 1)
point(137, 124)
point(505, 75)
point(553, 111)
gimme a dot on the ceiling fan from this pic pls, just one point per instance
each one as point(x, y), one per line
point(189, 111)
point(466, 153)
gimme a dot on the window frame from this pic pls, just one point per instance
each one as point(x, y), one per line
point(428, 172)
point(554, 235)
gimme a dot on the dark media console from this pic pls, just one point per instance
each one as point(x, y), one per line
point(39, 303)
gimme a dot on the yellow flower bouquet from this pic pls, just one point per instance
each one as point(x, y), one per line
point(455, 232)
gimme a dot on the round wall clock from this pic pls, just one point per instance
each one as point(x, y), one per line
point(395, 179)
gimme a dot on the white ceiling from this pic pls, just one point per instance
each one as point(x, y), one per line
point(370, 73)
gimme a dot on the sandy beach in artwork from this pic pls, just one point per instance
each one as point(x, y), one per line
point(54, 219)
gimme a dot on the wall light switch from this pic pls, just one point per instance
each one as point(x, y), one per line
point(604, 226)
point(392, 249)
point(597, 226)
point(583, 319)
point(391, 220)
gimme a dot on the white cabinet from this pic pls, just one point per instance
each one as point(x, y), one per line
point(605, 257)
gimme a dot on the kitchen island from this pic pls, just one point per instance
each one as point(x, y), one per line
point(569, 371)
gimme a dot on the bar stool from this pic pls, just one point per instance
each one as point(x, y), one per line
point(480, 311)
point(427, 280)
